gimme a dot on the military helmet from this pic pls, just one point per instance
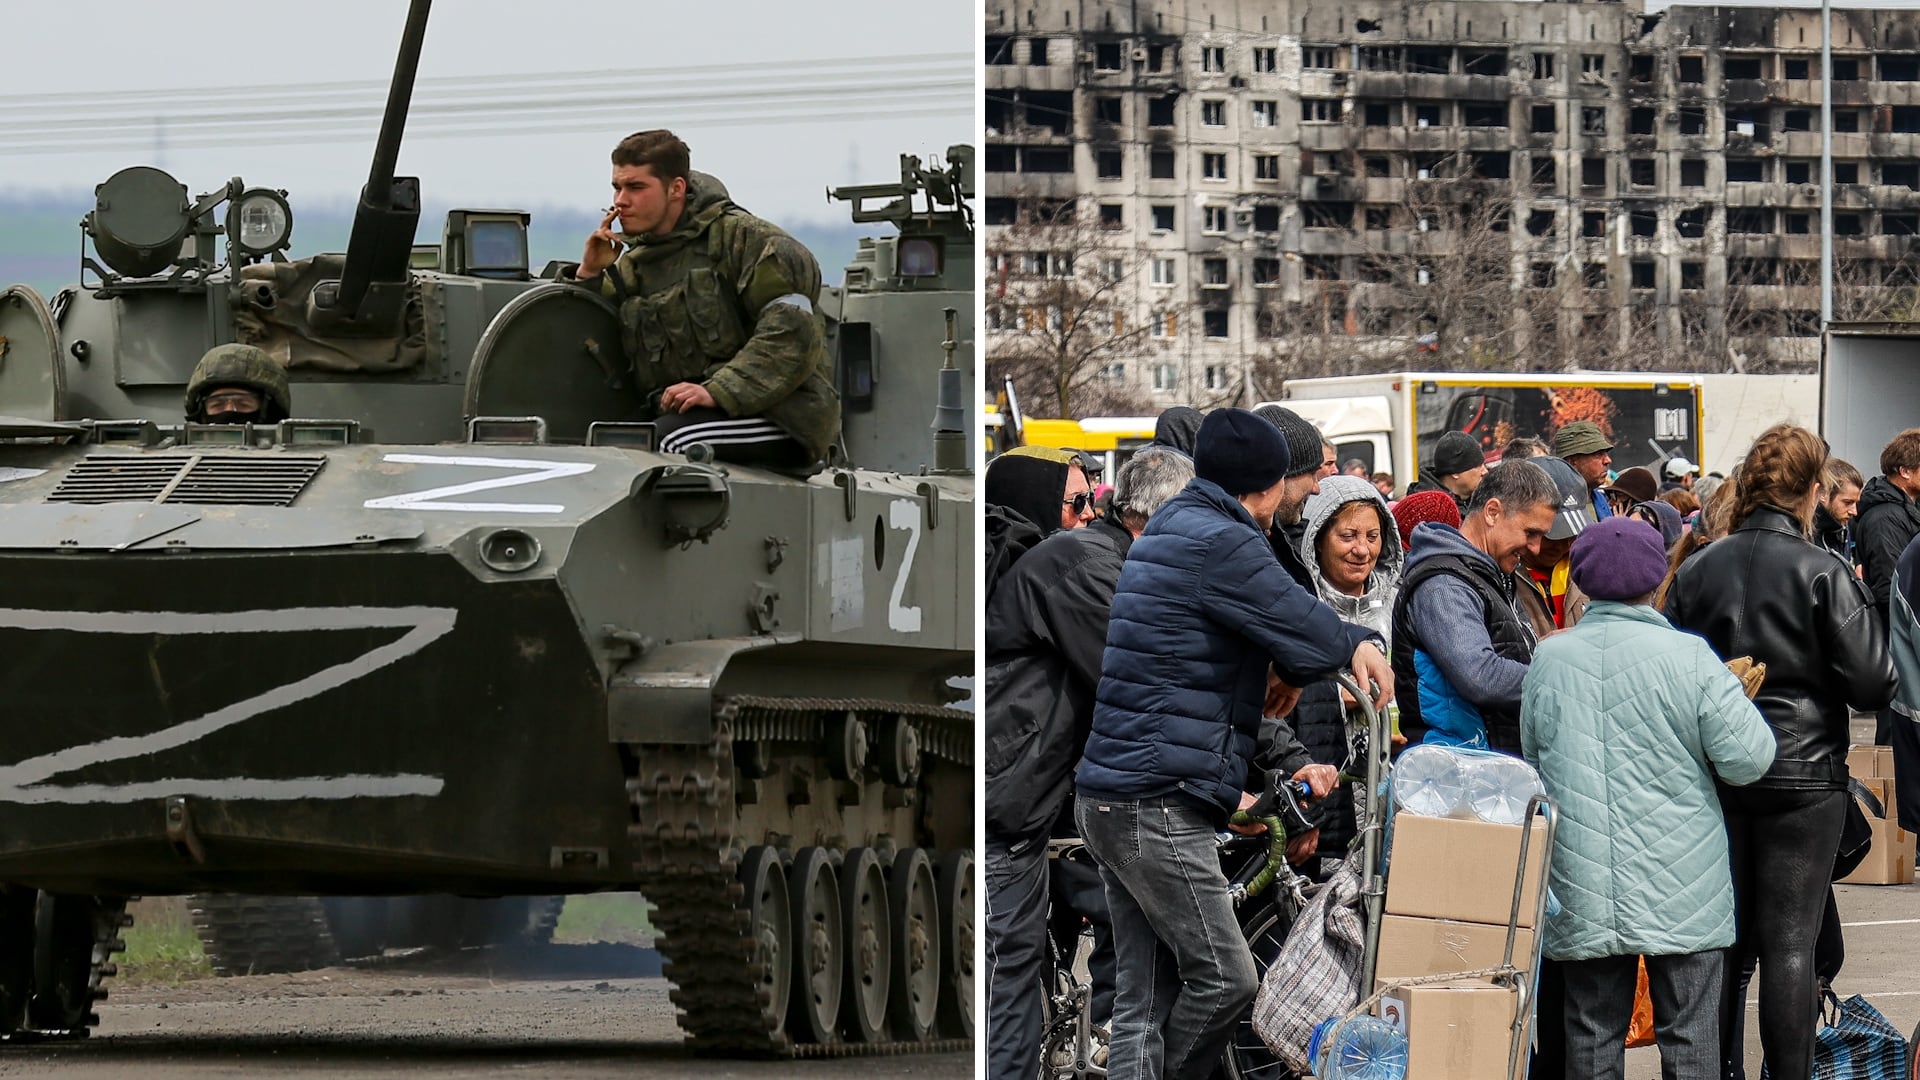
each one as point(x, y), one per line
point(242, 366)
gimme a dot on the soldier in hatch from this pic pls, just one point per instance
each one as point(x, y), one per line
point(238, 384)
point(716, 311)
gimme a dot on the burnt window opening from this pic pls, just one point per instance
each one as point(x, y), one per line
point(1640, 172)
point(1156, 58)
point(1593, 120)
point(1754, 271)
point(1691, 69)
point(1050, 110)
point(1378, 58)
point(1847, 225)
point(1797, 120)
point(1319, 110)
point(1215, 323)
point(1268, 323)
point(1492, 166)
point(1545, 174)
point(1316, 58)
point(1900, 68)
point(1900, 224)
point(1483, 115)
point(1266, 219)
point(1593, 223)
point(1266, 271)
point(1749, 220)
point(1593, 64)
point(1160, 164)
point(1427, 114)
point(1693, 173)
point(1106, 164)
point(1162, 217)
point(1266, 167)
point(1693, 120)
point(1693, 276)
point(1900, 174)
point(1640, 273)
point(1594, 275)
point(1106, 110)
point(999, 50)
point(1545, 119)
point(1747, 122)
point(1046, 159)
point(1791, 68)
point(999, 113)
point(1799, 172)
point(1540, 275)
point(1112, 216)
point(1378, 218)
point(1429, 166)
point(1160, 111)
point(1037, 52)
point(1326, 215)
point(1378, 167)
point(1478, 62)
point(1691, 223)
point(1643, 222)
point(1745, 171)
point(1640, 69)
point(1540, 223)
point(1743, 67)
point(1905, 118)
point(1799, 224)
point(1375, 272)
point(1003, 211)
point(1106, 56)
point(1321, 268)
point(1846, 70)
point(1001, 159)
point(1426, 61)
point(1846, 120)
point(1213, 272)
point(1846, 172)
point(1640, 121)
point(1543, 65)
point(1381, 114)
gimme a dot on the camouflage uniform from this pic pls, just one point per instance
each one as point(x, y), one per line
point(728, 300)
point(247, 368)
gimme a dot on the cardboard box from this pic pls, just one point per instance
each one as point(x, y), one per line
point(1458, 1031)
point(1411, 947)
point(1890, 860)
point(1452, 868)
point(1870, 762)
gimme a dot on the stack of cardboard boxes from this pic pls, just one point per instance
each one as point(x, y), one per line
point(1890, 861)
point(1449, 895)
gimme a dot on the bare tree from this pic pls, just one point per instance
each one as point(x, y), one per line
point(1060, 294)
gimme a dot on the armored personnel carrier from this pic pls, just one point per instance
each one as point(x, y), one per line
point(456, 629)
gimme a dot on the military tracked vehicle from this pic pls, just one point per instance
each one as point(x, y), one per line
point(456, 628)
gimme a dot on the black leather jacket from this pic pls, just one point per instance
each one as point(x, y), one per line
point(1764, 591)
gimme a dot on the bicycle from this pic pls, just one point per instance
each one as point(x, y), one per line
point(1071, 1044)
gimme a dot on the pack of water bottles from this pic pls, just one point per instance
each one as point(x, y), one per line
point(1455, 782)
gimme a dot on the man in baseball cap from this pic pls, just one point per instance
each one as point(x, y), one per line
point(1584, 446)
point(1557, 603)
point(1680, 473)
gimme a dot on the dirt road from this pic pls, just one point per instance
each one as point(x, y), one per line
point(344, 1022)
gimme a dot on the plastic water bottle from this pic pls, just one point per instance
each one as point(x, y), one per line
point(1498, 788)
point(1430, 781)
point(1366, 1048)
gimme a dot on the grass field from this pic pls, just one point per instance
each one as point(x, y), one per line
point(616, 918)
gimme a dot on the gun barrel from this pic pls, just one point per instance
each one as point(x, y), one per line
point(383, 223)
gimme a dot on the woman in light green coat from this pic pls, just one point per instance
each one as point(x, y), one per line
point(1629, 721)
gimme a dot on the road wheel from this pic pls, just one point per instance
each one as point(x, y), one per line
point(770, 924)
point(819, 946)
point(915, 918)
point(955, 877)
point(869, 945)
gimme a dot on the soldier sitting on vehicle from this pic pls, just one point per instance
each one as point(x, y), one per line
point(716, 310)
point(238, 384)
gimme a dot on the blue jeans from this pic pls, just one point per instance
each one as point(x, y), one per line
point(1185, 974)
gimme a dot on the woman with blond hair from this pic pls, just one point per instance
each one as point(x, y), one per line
point(1766, 591)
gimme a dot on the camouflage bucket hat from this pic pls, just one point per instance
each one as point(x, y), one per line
point(243, 366)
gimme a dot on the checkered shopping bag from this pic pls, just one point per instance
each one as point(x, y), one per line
point(1317, 974)
point(1857, 1043)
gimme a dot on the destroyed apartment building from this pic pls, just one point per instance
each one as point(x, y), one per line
point(1334, 184)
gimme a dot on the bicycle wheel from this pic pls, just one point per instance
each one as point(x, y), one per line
point(1246, 1057)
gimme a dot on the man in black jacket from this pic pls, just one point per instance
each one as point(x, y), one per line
point(1840, 486)
point(1046, 631)
point(1888, 520)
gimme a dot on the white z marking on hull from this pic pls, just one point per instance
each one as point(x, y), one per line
point(533, 472)
point(23, 782)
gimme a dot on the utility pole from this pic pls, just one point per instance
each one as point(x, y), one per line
point(1826, 164)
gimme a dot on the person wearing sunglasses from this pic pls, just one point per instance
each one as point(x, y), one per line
point(1046, 486)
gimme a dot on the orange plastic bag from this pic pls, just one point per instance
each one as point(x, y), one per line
point(1640, 1028)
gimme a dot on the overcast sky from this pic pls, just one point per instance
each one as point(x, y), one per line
point(820, 66)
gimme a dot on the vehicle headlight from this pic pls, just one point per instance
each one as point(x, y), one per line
point(260, 222)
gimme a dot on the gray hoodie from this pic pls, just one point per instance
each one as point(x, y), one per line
point(1374, 609)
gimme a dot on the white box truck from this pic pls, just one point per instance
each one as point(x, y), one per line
point(1391, 421)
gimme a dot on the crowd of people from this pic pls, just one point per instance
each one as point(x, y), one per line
point(1160, 655)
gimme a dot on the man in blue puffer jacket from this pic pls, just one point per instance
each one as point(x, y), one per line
point(1202, 613)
